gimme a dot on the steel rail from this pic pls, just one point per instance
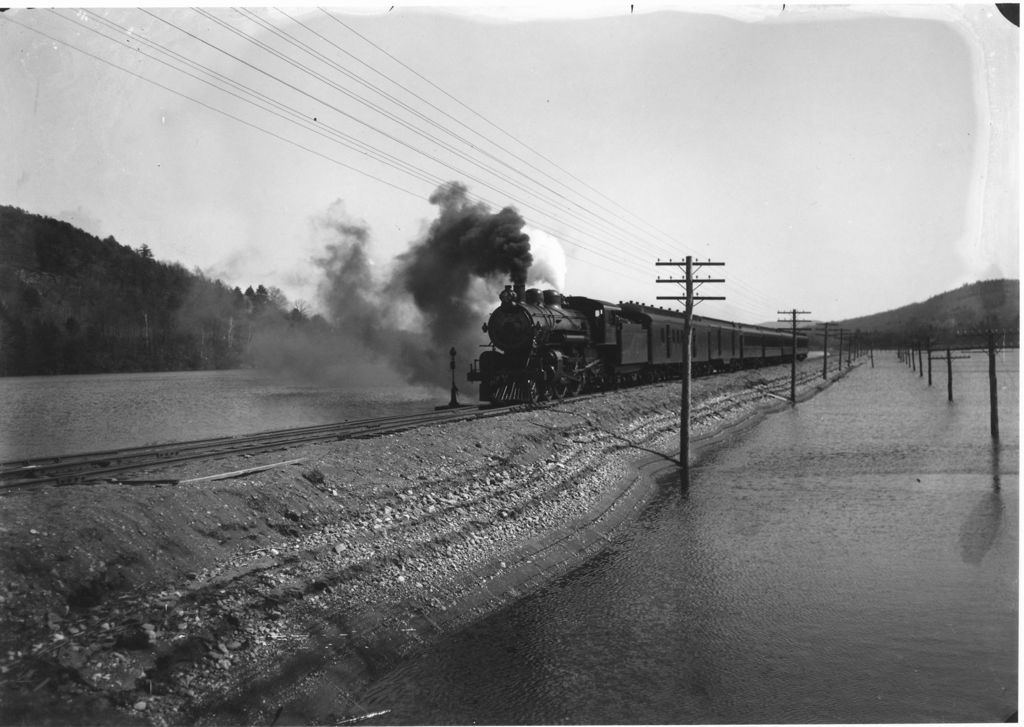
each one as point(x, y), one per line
point(95, 467)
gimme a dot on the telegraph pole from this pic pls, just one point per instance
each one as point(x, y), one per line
point(949, 375)
point(950, 358)
point(792, 378)
point(928, 345)
point(824, 347)
point(993, 398)
point(689, 299)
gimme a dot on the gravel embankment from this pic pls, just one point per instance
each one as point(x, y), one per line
point(217, 602)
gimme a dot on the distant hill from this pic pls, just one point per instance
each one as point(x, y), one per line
point(72, 303)
point(988, 304)
point(943, 318)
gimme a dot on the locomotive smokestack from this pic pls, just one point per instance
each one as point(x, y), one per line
point(520, 291)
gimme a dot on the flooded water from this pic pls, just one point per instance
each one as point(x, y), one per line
point(853, 559)
point(51, 415)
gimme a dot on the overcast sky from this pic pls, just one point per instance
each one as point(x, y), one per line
point(840, 160)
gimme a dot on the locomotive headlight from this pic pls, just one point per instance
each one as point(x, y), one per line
point(510, 328)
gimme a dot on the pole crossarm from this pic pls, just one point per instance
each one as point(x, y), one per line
point(692, 262)
point(690, 282)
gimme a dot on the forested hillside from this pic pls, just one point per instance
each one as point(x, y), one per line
point(73, 303)
point(988, 304)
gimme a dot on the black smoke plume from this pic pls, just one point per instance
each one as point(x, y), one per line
point(437, 292)
point(465, 243)
point(467, 239)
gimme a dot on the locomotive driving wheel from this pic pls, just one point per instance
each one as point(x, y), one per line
point(531, 392)
point(559, 385)
point(577, 377)
point(555, 385)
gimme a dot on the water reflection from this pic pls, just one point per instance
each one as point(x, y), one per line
point(982, 525)
point(674, 478)
point(996, 465)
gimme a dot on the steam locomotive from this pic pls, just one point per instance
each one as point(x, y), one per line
point(546, 345)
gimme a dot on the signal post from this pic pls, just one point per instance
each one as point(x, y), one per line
point(688, 282)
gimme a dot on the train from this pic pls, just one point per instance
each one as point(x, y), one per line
point(544, 345)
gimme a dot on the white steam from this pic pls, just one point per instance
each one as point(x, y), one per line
point(549, 267)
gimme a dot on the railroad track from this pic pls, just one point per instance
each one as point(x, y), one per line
point(96, 467)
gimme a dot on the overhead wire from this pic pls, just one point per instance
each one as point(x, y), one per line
point(297, 117)
point(600, 233)
point(301, 119)
point(362, 148)
point(204, 104)
point(497, 128)
point(669, 243)
point(674, 245)
point(308, 49)
point(409, 168)
point(598, 213)
point(258, 99)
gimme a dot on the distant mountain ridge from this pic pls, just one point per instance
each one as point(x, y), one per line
point(984, 305)
point(973, 307)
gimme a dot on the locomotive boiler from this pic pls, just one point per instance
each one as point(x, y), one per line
point(546, 345)
point(541, 348)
